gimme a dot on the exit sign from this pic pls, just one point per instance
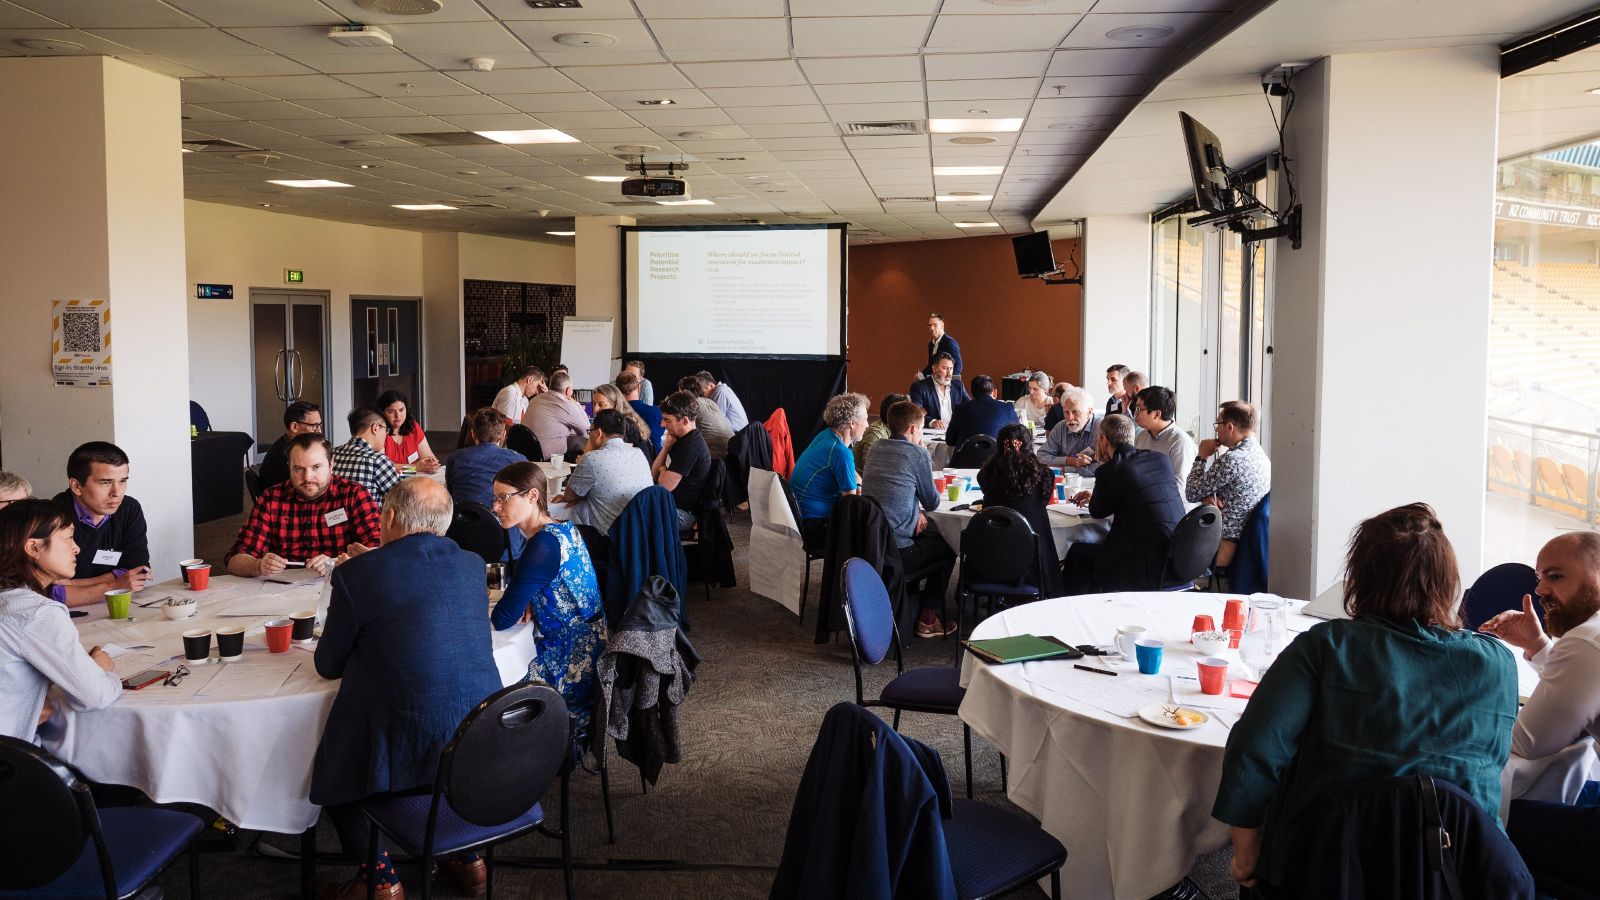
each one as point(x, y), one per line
point(294, 276)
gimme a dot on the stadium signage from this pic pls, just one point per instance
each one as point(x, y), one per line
point(1546, 214)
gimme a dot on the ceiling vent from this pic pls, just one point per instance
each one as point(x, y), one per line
point(402, 7)
point(905, 199)
point(880, 129)
point(360, 36)
point(446, 138)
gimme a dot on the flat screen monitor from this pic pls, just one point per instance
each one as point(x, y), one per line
point(1034, 254)
point(1206, 168)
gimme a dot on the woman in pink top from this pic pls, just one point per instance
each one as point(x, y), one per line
point(407, 443)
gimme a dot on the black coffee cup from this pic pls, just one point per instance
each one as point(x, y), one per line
point(197, 645)
point(305, 624)
point(230, 642)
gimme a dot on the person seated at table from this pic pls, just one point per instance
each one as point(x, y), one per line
point(1070, 444)
point(983, 414)
point(1556, 838)
point(1014, 478)
point(311, 520)
point(1135, 490)
point(554, 577)
point(1057, 405)
point(512, 401)
point(1397, 689)
point(647, 391)
point(1154, 408)
point(1132, 383)
point(727, 401)
point(635, 430)
point(299, 418)
point(556, 419)
point(683, 463)
point(713, 425)
point(876, 431)
point(826, 469)
point(940, 394)
point(108, 526)
point(407, 634)
point(1117, 402)
point(407, 442)
point(38, 643)
point(361, 458)
point(1035, 405)
point(13, 487)
point(899, 475)
point(1234, 480)
point(607, 476)
point(469, 472)
point(629, 384)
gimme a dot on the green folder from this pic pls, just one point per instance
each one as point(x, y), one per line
point(1020, 648)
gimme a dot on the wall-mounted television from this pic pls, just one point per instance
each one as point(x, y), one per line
point(1035, 257)
point(1206, 167)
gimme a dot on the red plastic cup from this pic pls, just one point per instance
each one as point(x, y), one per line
point(1233, 614)
point(1213, 674)
point(1233, 637)
point(279, 634)
point(1202, 623)
point(199, 576)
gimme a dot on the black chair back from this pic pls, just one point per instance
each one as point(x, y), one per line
point(48, 816)
point(474, 528)
point(999, 547)
point(505, 754)
point(1193, 545)
point(1498, 590)
point(252, 482)
point(520, 438)
point(973, 452)
point(794, 508)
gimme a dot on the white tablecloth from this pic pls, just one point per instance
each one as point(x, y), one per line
point(1067, 522)
point(247, 758)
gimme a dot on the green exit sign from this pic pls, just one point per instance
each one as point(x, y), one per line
point(294, 276)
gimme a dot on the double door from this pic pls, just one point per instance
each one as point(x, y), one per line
point(288, 332)
point(386, 351)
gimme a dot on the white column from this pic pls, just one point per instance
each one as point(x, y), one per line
point(1116, 297)
point(443, 347)
point(94, 194)
point(1382, 318)
point(599, 250)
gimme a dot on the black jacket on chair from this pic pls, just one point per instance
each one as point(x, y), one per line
point(859, 528)
point(1137, 489)
point(750, 448)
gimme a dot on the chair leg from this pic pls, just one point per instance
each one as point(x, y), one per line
point(605, 799)
point(896, 725)
point(1005, 783)
point(428, 866)
point(1055, 885)
point(805, 588)
point(966, 742)
point(488, 872)
point(308, 863)
point(194, 869)
point(566, 838)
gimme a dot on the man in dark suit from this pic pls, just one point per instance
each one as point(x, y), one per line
point(939, 344)
point(1136, 490)
point(940, 394)
point(407, 630)
point(983, 414)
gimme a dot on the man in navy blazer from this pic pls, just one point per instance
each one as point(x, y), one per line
point(983, 414)
point(1135, 488)
point(940, 343)
point(407, 631)
point(939, 395)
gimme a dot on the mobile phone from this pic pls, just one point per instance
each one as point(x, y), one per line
point(144, 679)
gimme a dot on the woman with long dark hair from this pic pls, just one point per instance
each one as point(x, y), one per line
point(1015, 478)
point(38, 645)
point(407, 443)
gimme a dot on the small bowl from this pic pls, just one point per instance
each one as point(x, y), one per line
point(1210, 643)
point(179, 609)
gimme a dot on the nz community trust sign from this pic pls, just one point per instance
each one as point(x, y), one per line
point(80, 342)
point(1546, 213)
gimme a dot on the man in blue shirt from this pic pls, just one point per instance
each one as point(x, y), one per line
point(827, 468)
point(469, 472)
point(630, 385)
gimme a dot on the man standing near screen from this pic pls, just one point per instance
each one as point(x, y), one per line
point(939, 342)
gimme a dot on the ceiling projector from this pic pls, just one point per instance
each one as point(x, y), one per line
point(656, 187)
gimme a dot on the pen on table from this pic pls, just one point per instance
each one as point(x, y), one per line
point(1094, 670)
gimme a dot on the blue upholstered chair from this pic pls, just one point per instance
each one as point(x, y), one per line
point(1497, 590)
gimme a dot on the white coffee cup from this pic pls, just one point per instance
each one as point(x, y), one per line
point(1127, 636)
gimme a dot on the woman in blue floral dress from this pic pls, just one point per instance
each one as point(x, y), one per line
point(555, 578)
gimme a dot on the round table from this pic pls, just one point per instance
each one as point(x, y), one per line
point(941, 452)
point(243, 749)
point(1068, 523)
point(1131, 801)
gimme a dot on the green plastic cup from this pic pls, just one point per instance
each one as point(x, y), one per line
point(118, 603)
point(953, 490)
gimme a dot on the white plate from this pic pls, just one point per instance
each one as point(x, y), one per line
point(1155, 716)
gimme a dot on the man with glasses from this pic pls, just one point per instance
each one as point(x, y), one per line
point(13, 488)
point(308, 521)
point(361, 459)
point(1231, 472)
point(1154, 408)
point(300, 418)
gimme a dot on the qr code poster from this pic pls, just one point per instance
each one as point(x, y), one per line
point(80, 342)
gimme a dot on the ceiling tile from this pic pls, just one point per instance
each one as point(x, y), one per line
point(984, 7)
point(418, 124)
point(626, 78)
point(260, 64)
point(716, 34)
point(263, 110)
point(952, 32)
point(874, 112)
point(454, 106)
point(1068, 107)
point(803, 143)
point(452, 12)
point(859, 142)
point(202, 90)
point(861, 32)
point(588, 57)
point(1120, 61)
point(17, 17)
point(984, 88)
point(671, 117)
point(855, 7)
point(886, 92)
point(743, 74)
point(510, 121)
point(1164, 6)
point(177, 41)
point(538, 103)
point(1096, 86)
point(463, 39)
point(233, 13)
point(388, 60)
point(301, 87)
point(122, 14)
point(862, 69)
point(409, 84)
point(682, 98)
point(963, 109)
point(540, 35)
point(813, 129)
point(358, 107)
point(202, 114)
point(596, 119)
point(296, 39)
point(762, 96)
point(708, 9)
point(517, 81)
point(1092, 31)
point(164, 66)
point(319, 127)
point(768, 115)
point(950, 66)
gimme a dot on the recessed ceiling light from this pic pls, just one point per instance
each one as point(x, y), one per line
point(607, 179)
point(1139, 33)
point(469, 172)
point(978, 112)
point(958, 126)
point(977, 224)
point(264, 204)
point(421, 207)
point(756, 177)
point(555, 4)
point(664, 101)
point(964, 197)
point(685, 203)
point(530, 136)
point(306, 182)
point(187, 150)
point(585, 39)
point(562, 233)
point(968, 170)
point(972, 140)
point(46, 45)
point(1593, 91)
point(368, 166)
point(402, 7)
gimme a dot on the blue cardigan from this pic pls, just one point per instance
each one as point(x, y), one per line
point(408, 632)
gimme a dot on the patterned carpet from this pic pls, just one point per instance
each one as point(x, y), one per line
point(714, 827)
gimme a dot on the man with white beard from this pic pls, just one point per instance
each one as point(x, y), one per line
point(1070, 443)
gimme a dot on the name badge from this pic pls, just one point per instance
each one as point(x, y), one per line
point(107, 557)
point(413, 457)
point(336, 517)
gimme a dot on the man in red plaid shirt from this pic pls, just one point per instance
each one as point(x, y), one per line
point(311, 518)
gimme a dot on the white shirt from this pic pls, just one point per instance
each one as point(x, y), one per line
point(1026, 409)
point(943, 392)
point(39, 647)
point(511, 402)
point(1566, 704)
point(1175, 443)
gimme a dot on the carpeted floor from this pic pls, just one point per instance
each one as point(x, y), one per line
point(715, 825)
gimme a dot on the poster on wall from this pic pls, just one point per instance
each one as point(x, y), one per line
point(80, 342)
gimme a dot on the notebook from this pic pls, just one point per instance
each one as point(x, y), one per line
point(1020, 648)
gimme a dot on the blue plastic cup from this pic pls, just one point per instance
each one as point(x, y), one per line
point(1148, 652)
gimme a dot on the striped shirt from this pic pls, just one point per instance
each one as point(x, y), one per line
point(357, 461)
